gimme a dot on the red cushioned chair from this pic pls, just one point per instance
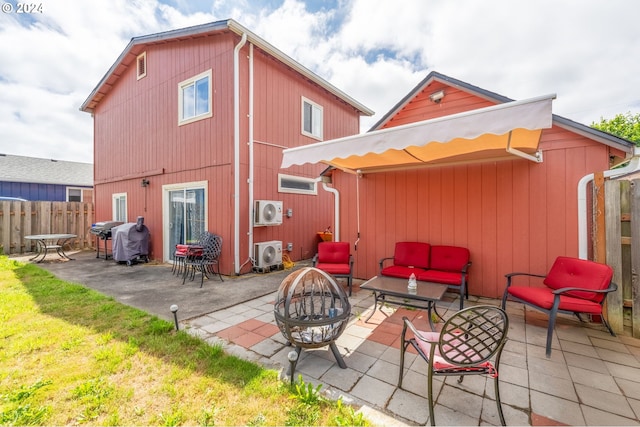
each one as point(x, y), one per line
point(335, 258)
point(449, 265)
point(572, 286)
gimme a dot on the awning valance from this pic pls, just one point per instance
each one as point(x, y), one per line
point(512, 128)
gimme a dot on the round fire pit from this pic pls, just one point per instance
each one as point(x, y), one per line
point(312, 311)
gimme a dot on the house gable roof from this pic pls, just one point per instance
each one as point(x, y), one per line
point(136, 46)
point(570, 125)
point(45, 171)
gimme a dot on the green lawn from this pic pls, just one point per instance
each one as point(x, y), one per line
point(70, 355)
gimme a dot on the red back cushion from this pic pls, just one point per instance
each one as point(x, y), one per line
point(573, 272)
point(449, 258)
point(412, 254)
point(333, 252)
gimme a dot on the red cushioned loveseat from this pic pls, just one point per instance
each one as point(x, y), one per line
point(448, 265)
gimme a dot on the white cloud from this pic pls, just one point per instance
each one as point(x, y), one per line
point(375, 50)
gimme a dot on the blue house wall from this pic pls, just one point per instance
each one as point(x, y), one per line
point(35, 192)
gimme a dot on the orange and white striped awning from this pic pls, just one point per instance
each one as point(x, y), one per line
point(486, 134)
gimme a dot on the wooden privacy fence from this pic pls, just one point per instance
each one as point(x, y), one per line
point(19, 219)
point(617, 242)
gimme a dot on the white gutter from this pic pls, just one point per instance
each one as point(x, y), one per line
point(336, 210)
point(288, 61)
point(583, 232)
point(236, 154)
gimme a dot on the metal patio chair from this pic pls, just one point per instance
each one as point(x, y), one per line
point(335, 258)
point(572, 286)
point(470, 343)
point(204, 258)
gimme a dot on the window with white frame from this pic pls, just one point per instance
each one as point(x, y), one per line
point(74, 194)
point(119, 207)
point(296, 184)
point(141, 65)
point(194, 98)
point(311, 119)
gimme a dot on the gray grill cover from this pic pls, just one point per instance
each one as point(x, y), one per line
point(128, 242)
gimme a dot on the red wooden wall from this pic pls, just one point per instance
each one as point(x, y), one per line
point(136, 135)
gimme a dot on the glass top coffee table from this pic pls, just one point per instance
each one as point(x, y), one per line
point(392, 290)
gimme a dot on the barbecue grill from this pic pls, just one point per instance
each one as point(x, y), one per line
point(102, 231)
point(130, 242)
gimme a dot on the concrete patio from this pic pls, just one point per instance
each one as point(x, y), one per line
point(591, 378)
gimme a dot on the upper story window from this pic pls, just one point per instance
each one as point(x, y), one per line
point(141, 65)
point(119, 207)
point(311, 119)
point(194, 98)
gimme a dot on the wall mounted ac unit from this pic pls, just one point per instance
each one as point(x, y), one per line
point(267, 212)
point(267, 254)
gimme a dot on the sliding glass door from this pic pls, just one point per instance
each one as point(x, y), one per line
point(185, 215)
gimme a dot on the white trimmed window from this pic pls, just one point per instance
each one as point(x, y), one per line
point(74, 194)
point(141, 65)
point(194, 98)
point(311, 119)
point(296, 184)
point(119, 207)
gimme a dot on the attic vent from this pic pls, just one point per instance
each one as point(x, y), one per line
point(142, 65)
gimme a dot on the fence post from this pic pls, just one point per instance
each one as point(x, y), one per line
point(635, 254)
point(615, 300)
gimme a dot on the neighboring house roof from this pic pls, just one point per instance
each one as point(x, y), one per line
point(586, 131)
point(136, 46)
point(45, 171)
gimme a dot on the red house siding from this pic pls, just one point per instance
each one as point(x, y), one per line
point(513, 215)
point(136, 135)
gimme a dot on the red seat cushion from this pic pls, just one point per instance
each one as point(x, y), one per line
point(543, 297)
point(412, 254)
point(449, 258)
point(334, 268)
point(445, 277)
point(440, 363)
point(400, 271)
point(573, 272)
point(333, 253)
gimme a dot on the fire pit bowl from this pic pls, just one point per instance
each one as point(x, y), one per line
point(312, 310)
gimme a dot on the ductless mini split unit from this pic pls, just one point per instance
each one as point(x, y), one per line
point(268, 255)
point(267, 212)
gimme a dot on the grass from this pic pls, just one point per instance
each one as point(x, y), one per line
point(72, 356)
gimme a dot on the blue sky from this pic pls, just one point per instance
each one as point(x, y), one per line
point(585, 51)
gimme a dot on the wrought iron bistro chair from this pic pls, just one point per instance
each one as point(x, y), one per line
point(572, 286)
point(186, 250)
point(205, 258)
point(470, 343)
point(335, 258)
point(179, 257)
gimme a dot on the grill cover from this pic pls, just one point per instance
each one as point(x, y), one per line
point(130, 241)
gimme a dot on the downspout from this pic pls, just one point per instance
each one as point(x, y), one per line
point(336, 209)
point(236, 153)
point(251, 172)
point(633, 166)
